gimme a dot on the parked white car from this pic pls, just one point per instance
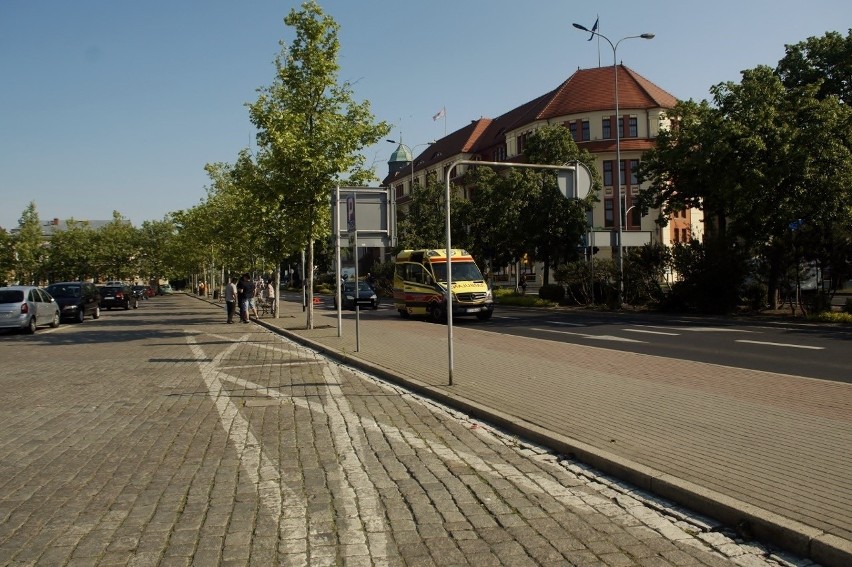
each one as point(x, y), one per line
point(26, 307)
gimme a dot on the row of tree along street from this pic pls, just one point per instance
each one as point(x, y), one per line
point(768, 162)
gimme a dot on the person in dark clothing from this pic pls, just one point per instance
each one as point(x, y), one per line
point(241, 297)
point(248, 299)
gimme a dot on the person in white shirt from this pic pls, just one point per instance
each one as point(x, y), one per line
point(231, 299)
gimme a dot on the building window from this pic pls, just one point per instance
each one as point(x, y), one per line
point(635, 219)
point(587, 135)
point(634, 127)
point(572, 127)
point(608, 212)
point(634, 172)
point(684, 235)
point(621, 167)
point(607, 173)
point(607, 127)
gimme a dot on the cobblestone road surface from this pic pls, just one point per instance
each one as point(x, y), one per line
point(161, 436)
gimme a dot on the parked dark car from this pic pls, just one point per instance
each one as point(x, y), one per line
point(76, 300)
point(26, 307)
point(119, 296)
point(366, 297)
point(140, 291)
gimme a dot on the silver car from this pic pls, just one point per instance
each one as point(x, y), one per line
point(26, 307)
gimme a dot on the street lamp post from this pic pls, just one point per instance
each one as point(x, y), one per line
point(621, 204)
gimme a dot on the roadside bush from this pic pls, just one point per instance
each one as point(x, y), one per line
point(576, 277)
point(552, 292)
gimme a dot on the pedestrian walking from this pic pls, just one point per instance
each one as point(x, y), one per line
point(248, 308)
point(241, 298)
point(231, 299)
point(523, 284)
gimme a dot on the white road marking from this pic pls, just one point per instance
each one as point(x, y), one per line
point(587, 336)
point(698, 329)
point(262, 472)
point(348, 430)
point(651, 332)
point(364, 502)
point(787, 345)
point(566, 323)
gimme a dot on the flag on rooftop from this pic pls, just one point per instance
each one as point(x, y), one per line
point(440, 114)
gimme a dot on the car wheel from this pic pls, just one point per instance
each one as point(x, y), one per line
point(438, 313)
point(404, 313)
point(81, 315)
point(31, 325)
point(97, 313)
point(55, 322)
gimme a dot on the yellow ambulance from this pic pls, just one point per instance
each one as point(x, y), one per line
point(420, 285)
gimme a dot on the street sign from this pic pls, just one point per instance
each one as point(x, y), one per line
point(575, 184)
point(350, 213)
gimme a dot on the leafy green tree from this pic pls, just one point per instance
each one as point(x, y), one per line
point(825, 61)
point(7, 257)
point(310, 130)
point(424, 224)
point(155, 240)
point(117, 249)
point(766, 158)
point(491, 219)
point(553, 226)
point(29, 244)
point(521, 211)
point(72, 252)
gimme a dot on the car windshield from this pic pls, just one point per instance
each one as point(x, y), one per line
point(462, 271)
point(362, 286)
point(64, 290)
point(11, 296)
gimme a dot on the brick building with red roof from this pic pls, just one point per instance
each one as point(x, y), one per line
point(584, 103)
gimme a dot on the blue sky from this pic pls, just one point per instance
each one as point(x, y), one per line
point(116, 105)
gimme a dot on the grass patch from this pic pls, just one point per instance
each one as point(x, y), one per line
point(507, 296)
point(832, 317)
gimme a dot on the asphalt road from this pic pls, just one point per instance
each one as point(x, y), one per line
point(775, 345)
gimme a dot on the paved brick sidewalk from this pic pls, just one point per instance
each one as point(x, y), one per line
point(162, 436)
point(769, 452)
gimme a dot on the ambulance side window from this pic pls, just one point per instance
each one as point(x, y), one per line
point(416, 273)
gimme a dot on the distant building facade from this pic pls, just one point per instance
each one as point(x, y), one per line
point(584, 104)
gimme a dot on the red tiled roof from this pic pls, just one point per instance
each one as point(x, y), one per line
point(587, 90)
point(590, 90)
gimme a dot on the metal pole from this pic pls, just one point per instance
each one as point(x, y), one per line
point(618, 182)
point(449, 277)
point(617, 149)
point(337, 258)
